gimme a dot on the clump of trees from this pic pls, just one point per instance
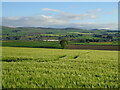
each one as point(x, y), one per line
point(63, 43)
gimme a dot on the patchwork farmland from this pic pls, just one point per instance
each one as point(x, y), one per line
point(31, 60)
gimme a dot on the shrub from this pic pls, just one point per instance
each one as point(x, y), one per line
point(63, 43)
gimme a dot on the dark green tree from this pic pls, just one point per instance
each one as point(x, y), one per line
point(63, 43)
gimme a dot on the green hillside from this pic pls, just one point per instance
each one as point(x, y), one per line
point(71, 34)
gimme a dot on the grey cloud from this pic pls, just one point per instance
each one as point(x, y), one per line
point(111, 26)
point(41, 20)
point(70, 16)
point(49, 9)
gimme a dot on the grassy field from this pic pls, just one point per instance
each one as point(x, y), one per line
point(59, 68)
point(47, 44)
point(34, 44)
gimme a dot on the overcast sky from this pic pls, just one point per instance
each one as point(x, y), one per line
point(100, 15)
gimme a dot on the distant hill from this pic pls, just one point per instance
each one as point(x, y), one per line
point(45, 33)
point(45, 30)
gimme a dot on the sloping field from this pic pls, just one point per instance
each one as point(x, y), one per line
point(59, 68)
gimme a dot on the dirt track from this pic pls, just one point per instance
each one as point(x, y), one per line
point(94, 47)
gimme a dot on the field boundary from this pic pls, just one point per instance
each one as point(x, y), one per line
point(95, 47)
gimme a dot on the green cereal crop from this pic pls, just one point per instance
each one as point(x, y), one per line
point(58, 68)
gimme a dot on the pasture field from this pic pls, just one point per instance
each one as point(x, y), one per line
point(34, 44)
point(48, 44)
point(58, 68)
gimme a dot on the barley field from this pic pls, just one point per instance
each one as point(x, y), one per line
point(58, 68)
